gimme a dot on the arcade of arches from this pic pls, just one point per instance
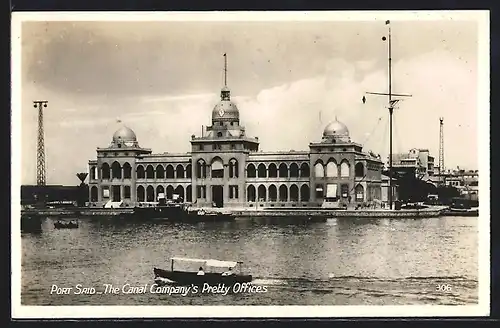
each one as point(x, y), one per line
point(226, 169)
point(152, 180)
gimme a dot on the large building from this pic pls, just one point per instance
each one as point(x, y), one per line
point(418, 160)
point(226, 169)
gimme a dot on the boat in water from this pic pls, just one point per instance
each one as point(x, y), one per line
point(73, 224)
point(461, 212)
point(164, 211)
point(201, 271)
point(178, 211)
point(205, 215)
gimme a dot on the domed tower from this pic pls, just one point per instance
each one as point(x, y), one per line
point(336, 131)
point(219, 155)
point(225, 130)
point(225, 113)
point(124, 137)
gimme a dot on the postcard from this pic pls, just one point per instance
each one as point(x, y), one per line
point(250, 164)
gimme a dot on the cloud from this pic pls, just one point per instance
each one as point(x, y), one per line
point(286, 86)
point(171, 58)
point(178, 98)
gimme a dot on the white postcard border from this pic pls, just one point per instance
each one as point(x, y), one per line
point(32, 312)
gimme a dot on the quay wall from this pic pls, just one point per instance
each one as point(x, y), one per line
point(341, 213)
point(78, 212)
point(246, 213)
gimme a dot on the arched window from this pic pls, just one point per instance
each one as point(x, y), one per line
point(262, 171)
point(331, 169)
point(319, 170)
point(170, 192)
point(217, 168)
point(294, 170)
point(359, 170)
point(283, 171)
point(150, 193)
point(150, 174)
point(140, 194)
point(262, 193)
point(92, 173)
point(344, 169)
point(105, 171)
point(283, 193)
point(251, 172)
point(251, 193)
point(179, 191)
point(179, 171)
point(160, 190)
point(93, 194)
point(116, 170)
point(273, 171)
point(233, 168)
point(127, 171)
point(304, 170)
point(304, 193)
point(188, 171)
point(160, 172)
point(273, 193)
point(294, 193)
point(201, 169)
point(141, 174)
point(169, 172)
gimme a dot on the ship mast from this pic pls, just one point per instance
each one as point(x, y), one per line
point(391, 103)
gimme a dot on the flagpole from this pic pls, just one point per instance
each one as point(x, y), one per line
point(225, 70)
point(391, 110)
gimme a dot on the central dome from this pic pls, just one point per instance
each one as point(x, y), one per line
point(124, 134)
point(336, 129)
point(225, 109)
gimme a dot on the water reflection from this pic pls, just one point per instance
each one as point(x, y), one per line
point(314, 262)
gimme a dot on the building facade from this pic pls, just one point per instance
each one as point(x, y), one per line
point(226, 169)
point(418, 160)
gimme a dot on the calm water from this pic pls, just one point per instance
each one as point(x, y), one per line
point(340, 262)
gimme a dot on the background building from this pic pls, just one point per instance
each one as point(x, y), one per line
point(418, 160)
point(226, 169)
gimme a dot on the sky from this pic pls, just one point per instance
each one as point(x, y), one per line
point(289, 79)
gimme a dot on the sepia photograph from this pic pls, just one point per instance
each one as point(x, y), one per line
point(250, 164)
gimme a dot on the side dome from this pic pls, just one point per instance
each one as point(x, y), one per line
point(124, 134)
point(336, 129)
point(225, 110)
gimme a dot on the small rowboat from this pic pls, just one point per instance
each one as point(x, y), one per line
point(66, 225)
point(214, 272)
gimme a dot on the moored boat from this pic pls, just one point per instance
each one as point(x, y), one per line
point(202, 215)
point(66, 225)
point(200, 271)
point(461, 212)
point(162, 211)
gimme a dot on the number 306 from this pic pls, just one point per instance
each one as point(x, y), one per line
point(443, 288)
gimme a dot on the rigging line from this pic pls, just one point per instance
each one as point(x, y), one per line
point(364, 176)
point(372, 131)
point(356, 184)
